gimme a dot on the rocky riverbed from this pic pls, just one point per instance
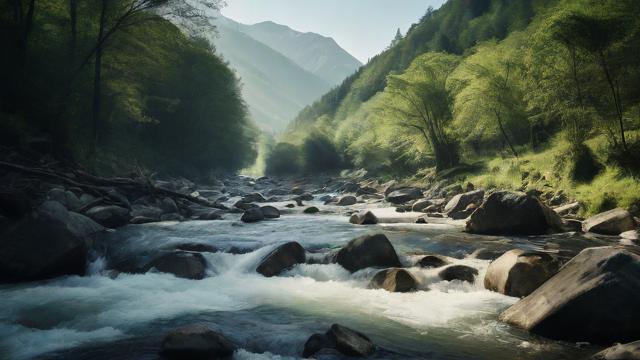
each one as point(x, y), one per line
point(266, 268)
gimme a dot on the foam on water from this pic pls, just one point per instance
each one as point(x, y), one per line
point(71, 311)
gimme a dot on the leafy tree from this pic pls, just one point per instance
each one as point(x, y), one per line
point(285, 159)
point(422, 102)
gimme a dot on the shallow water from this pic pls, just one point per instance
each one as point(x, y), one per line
point(124, 317)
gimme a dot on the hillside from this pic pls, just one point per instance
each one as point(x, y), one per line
point(480, 90)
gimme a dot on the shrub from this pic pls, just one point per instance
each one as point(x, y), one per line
point(320, 155)
point(284, 159)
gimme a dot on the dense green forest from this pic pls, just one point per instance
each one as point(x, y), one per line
point(509, 87)
point(113, 85)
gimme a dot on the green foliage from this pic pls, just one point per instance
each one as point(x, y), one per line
point(319, 155)
point(168, 102)
point(284, 159)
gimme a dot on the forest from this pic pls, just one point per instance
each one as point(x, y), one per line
point(157, 98)
point(491, 91)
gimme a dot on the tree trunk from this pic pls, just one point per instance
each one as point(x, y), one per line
point(97, 77)
point(616, 98)
point(504, 134)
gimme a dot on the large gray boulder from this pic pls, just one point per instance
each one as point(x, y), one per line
point(270, 212)
point(404, 195)
point(612, 222)
point(629, 351)
point(284, 257)
point(182, 264)
point(255, 197)
point(64, 197)
point(594, 298)
point(110, 216)
point(368, 251)
point(347, 341)
point(48, 242)
point(394, 280)
point(196, 342)
point(460, 202)
point(421, 205)
point(518, 273)
point(507, 213)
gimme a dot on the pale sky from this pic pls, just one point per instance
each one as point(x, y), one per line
point(362, 27)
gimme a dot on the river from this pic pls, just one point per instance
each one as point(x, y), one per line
point(102, 316)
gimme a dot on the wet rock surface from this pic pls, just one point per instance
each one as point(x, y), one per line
point(368, 251)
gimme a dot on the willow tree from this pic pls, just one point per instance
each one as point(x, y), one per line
point(420, 102)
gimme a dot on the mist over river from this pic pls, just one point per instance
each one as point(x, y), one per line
point(124, 316)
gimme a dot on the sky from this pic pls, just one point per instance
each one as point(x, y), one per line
point(362, 27)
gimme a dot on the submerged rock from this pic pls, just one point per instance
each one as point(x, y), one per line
point(518, 273)
point(394, 280)
point(110, 216)
point(48, 242)
point(367, 218)
point(507, 213)
point(270, 212)
point(284, 257)
point(368, 251)
point(347, 341)
point(432, 261)
point(459, 272)
point(311, 210)
point(612, 222)
point(196, 342)
point(401, 196)
point(593, 298)
point(182, 264)
point(629, 351)
point(252, 215)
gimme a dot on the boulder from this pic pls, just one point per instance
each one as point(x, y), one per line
point(630, 235)
point(242, 205)
point(367, 218)
point(196, 342)
point(196, 247)
point(182, 264)
point(459, 272)
point(255, 197)
point(368, 251)
point(420, 205)
point(347, 200)
point(366, 191)
point(404, 195)
point(210, 215)
point(311, 210)
point(169, 206)
point(594, 298)
point(48, 242)
point(110, 216)
point(518, 273)
point(612, 222)
point(507, 213)
point(284, 257)
point(629, 351)
point(270, 212)
point(394, 280)
point(347, 341)
point(460, 202)
point(146, 211)
point(64, 197)
point(567, 209)
point(432, 261)
point(252, 215)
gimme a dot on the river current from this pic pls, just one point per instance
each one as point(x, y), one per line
point(104, 316)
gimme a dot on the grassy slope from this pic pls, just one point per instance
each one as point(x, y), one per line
point(610, 185)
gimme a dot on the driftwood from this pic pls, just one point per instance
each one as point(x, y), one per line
point(101, 187)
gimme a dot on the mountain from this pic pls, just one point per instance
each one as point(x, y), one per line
point(320, 55)
point(282, 70)
point(274, 87)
